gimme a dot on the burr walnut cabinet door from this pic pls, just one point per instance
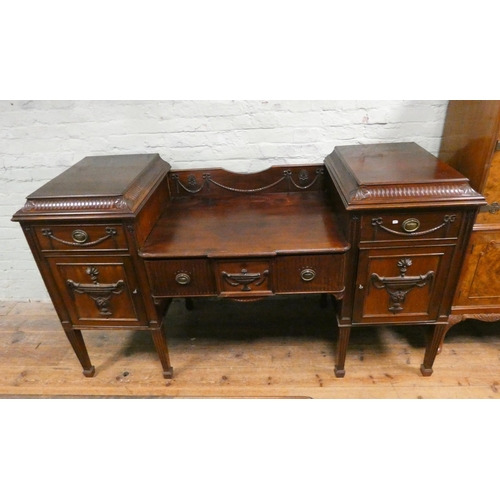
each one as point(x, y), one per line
point(480, 284)
point(401, 285)
point(99, 291)
point(491, 213)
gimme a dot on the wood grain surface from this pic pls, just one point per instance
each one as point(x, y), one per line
point(274, 348)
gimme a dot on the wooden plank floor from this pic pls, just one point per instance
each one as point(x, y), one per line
point(278, 348)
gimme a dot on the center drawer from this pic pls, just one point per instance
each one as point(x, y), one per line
point(244, 277)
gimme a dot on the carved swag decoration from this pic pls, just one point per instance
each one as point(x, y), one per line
point(398, 287)
point(193, 187)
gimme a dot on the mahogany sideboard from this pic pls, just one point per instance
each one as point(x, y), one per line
point(381, 228)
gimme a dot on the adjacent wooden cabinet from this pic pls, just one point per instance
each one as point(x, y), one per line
point(471, 144)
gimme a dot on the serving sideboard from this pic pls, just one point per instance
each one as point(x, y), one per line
point(381, 228)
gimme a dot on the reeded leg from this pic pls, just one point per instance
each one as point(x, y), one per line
point(434, 342)
point(76, 340)
point(343, 342)
point(160, 342)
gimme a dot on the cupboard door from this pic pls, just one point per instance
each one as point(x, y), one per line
point(99, 291)
point(401, 284)
point(480, 284)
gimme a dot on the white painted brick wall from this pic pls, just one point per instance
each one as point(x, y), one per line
point(40, 139)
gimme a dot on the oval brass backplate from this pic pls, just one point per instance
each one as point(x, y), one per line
point(79, 236)
point(410, 225)
point(182, 278)
point(307, 274)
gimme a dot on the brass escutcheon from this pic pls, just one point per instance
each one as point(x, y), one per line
point(183, 278)
point(79, 236)
point(410, 225)
point(307, 274)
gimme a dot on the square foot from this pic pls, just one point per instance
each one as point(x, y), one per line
point(426, 372)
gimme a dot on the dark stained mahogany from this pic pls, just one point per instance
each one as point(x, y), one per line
point(277, 224)
point(381, 228)
point(408, 217)
point(84, 229)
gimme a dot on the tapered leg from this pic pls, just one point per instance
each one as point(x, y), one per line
point(434, 342)
point(189, 304)
point(160, 342)
point(76, 340)
point(343, 342)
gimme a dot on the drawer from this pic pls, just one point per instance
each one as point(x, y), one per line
point(77, 237)
point(181, 278)
point(405, 226)
point(310, 274)
point(244, 278)
point(99, 291)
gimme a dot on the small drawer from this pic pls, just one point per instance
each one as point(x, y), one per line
point(310, 274)
point(181, 278)
point(405, 226)
point(244, 277)
point(81, 237)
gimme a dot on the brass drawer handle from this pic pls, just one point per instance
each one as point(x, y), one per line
point(79, 236)
point(245, 278)
point(492, 208)
point(308, 274)
point(410, 225)
point(183, 278)
point(398, 287)
point(99, 293)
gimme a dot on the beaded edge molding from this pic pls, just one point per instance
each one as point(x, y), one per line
point(362, 194)
point(125, 203)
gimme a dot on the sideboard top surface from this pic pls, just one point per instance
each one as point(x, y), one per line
point(98, 186)
point(398, 163)
point(396, 175)
point(257, 225)
point(96, 176)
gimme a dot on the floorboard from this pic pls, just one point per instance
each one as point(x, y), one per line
point(278, 348)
